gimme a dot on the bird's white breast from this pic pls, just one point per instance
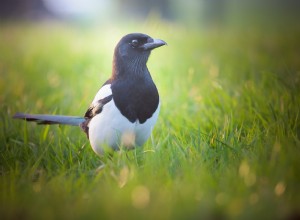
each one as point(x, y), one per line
point(110, 129)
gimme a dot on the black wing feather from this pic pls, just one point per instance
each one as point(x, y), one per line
point(92, 111)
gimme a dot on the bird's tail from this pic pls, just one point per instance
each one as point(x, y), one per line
point(51, 119)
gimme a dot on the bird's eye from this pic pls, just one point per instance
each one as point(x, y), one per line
point(134, 43)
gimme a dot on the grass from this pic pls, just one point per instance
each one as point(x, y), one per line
point(226, 145)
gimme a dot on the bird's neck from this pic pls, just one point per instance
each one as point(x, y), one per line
point(134, 68)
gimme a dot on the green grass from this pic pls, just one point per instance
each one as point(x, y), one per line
point(226, 145)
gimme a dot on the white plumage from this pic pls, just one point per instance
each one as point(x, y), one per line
point(110, 129)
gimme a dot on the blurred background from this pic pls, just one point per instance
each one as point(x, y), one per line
point(227, 139)
point(187, 12)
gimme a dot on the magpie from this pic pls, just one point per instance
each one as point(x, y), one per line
point(126, 107)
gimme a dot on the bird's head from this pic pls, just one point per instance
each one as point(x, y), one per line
point(133, 50)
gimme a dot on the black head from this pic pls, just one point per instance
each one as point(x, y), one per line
point(133, 51)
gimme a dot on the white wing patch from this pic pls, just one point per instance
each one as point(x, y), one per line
point(102, 93)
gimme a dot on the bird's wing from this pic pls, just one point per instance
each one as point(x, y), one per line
point(103, 92)
point(103, 96)
point(96, 107)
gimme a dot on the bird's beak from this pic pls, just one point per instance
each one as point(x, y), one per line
point(154, 44)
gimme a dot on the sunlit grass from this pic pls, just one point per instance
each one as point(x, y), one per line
point(226, 143)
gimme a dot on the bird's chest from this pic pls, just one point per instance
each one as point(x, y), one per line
point(136, 100)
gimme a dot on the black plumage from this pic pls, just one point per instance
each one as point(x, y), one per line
point(135, 93)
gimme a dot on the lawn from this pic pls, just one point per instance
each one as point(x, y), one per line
point(226, 145)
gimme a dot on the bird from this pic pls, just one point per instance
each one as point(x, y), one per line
point(126, 107)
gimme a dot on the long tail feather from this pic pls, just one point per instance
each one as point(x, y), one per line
point(51, 119)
